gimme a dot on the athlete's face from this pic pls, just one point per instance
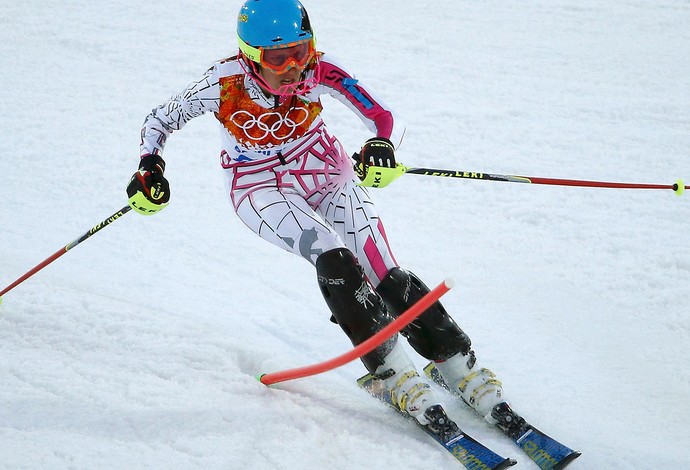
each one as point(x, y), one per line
point(276, 80)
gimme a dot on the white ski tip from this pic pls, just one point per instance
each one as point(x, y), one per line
point(449, 283)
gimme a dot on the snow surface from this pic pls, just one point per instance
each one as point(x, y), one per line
point(139, 348)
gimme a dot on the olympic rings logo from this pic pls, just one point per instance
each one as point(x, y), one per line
point(279, 127)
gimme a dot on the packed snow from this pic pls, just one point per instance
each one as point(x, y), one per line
point(139, 348)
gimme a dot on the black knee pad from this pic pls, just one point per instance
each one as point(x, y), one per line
point(355, 306)
point(434, 334)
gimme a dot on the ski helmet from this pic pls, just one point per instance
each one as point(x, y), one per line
point(277, 35)
point(269, 24)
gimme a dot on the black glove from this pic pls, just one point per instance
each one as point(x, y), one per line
point(377, 151)
point(148, 190)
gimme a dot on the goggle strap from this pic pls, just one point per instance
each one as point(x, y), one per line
point(252, 53)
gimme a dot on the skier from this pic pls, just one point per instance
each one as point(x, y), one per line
point(291, 182)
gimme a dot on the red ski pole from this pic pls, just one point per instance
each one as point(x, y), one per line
point(365, 347)
point(677, 187)
point(65, 249)
point(379, 177)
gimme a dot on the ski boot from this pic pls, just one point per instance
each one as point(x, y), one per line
point(478, 387)
point(408, 391)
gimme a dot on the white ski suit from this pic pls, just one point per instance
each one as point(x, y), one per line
point(289, 180)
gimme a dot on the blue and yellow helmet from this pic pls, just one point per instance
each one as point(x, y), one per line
point(268, 24)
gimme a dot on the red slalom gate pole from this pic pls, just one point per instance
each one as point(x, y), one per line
point(65, 249)
point(365, 347)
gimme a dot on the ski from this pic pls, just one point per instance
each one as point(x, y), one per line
point(546, 452)
point(468, 451)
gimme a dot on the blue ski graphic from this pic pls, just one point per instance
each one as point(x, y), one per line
point(467, 450)
point(546, 452)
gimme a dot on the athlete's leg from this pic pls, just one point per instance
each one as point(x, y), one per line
point(270, 205)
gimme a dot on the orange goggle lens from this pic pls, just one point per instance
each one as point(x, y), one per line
point(282, 59)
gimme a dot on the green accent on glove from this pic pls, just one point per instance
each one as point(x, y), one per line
point(380, 177)
point(140, 203)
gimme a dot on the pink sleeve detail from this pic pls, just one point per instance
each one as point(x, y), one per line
point(359, 98)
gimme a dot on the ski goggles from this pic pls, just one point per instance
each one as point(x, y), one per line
point(282, 58)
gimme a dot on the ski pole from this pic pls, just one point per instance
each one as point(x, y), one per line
point(65, 249)
point(677, 187)
point(365, 347)
point(378, 177)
